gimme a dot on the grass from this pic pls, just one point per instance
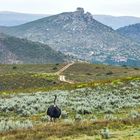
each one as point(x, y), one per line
point(76, 130)
point(26, 81)
point(84, 72)
point(33, 78)
point(27, 77)
point(29, 68)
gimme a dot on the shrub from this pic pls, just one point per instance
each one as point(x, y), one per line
point(134, 115)
point(110, 117)
point(105, 133)
point(109, 73)
point(64, 115)
point(83, 110)
point(109, 111)
point(136, 68)
point(14, 67)
point(54, 68)
point(68, 121)
point(93, 118)
point(7, 125)
point(78, 117)
point(88, 74)
point(45, 118)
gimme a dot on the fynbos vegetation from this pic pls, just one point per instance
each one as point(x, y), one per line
point(109, 103)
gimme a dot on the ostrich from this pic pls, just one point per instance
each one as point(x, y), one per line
point(54, 111)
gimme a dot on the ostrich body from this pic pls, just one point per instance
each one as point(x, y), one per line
point(54, 111)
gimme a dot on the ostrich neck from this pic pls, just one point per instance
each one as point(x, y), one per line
point(55, 101)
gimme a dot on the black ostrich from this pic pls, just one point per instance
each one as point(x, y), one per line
point(54, 111)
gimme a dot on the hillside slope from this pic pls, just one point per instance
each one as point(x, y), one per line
point(84, 72)
point(78, 34)
point(131, 31)
point(15, 50)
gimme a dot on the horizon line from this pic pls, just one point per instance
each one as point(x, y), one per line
point(19, 12)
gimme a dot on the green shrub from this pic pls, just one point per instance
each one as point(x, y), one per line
point(105, 133)
point(54, 68)
point(14, 67)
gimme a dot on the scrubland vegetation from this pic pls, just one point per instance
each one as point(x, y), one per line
point(84, 72)
point(105, 106)
point(87, 113)
point(29, 68)
point(28, 78)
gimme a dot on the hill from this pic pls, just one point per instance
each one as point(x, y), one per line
point(44, 77)
point(78, 34)
point(84, 72)
point(8, 18)
point(131, 31)
point(117, 21)
point(28, 77)
point(15, 50)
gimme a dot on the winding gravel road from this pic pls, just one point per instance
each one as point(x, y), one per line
point(63, 77)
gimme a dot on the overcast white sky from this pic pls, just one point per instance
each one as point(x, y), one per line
point(111, 7)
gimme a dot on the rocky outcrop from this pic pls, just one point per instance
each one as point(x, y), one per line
point(80, 35)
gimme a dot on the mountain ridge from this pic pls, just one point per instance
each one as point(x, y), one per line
point(79, 34)
point(116, 22)
point(8, 18)
point(131, 31)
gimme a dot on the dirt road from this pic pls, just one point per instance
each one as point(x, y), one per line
point(62, 77)
point(64, 68)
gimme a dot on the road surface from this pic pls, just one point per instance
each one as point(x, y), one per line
point(63, 77)
point(64, 68)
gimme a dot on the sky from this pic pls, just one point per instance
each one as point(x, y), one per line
point(105, 7)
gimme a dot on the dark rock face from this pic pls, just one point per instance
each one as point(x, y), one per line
point(80, 35)
point(80, 10)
